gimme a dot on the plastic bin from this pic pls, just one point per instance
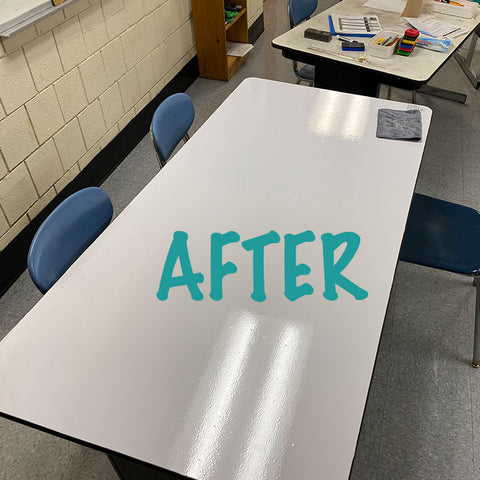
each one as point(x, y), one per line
point(383, 51)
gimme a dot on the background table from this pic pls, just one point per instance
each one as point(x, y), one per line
point(227, 389)
point(342, 71)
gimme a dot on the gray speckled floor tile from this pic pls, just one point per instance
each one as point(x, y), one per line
point(433, 333)
point(427, 434)
point(28, 454)
point(16, 302)
point(445, 303)
point(93, 465)
point(370, 432)
point(382, 363)
point(441, 172)
point(138, 168)
point(362, 471)
point(475, 389)
point(471, 163)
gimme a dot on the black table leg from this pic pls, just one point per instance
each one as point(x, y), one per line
point(442, 93)
point(129, 470)
point(339, 76)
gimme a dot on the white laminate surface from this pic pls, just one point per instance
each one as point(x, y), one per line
point(229, 389)
point(419, 66)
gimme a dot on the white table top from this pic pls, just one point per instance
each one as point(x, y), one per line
point(229, 389)
point(419, 66)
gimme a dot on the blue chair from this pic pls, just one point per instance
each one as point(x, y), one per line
point(298, 12)
point(66, 233)
point(445, 236)
point(170, 123)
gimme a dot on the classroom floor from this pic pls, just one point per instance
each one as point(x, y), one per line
point(422, 418)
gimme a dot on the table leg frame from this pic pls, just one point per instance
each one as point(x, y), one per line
point(465, 62)
point(476, 335)
point(443, 93)
point(337, 76)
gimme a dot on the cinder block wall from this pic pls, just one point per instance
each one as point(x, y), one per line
point(70, 83)
point(254, 10)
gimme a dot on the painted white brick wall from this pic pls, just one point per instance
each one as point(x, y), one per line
point(70, 144)
point(70, 83)
point(17, 139)
point(45, 167)
point(255, 9)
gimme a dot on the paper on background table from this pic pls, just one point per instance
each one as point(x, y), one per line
point(434, 27)
point(238, 49)
point(356, 24)
point(396, 6)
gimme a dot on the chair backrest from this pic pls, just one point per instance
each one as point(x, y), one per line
point(66, 233)
point(300, 10)
point(170, 122)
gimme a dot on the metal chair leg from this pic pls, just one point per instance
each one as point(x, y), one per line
point(476, 335)
point(161, 163)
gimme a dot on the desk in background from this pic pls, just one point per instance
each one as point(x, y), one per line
point(341, 71)
point(228, 389)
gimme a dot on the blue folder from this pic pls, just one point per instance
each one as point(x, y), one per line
point(333, 32)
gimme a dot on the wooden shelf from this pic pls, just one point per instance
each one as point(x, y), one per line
point(233, 63)
point(211, 36)
point(242, 12)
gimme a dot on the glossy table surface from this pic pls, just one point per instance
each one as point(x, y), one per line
point(419, 66)
point(233, 388)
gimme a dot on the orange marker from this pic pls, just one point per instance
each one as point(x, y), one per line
point(393, 41)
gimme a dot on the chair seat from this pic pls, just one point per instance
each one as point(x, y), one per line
point(442, 235)
point(307, 72)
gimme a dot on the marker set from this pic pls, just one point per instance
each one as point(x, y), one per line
point(383, 45)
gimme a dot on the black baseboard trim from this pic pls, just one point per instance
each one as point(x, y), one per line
point(13, 259)
point(256, 29)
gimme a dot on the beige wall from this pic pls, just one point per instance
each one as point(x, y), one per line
point(70, 84)
point(254, 10)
